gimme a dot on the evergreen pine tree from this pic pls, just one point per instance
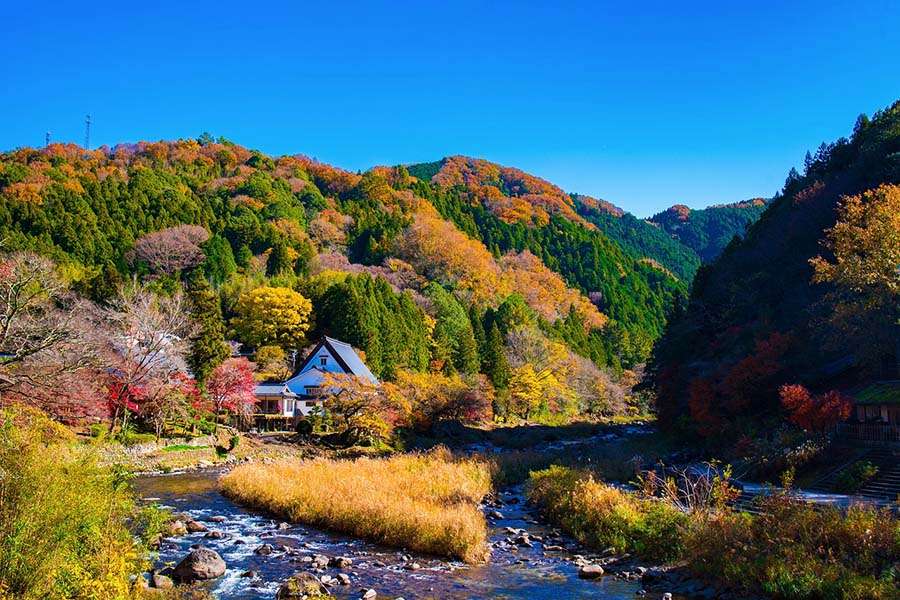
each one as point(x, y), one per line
point(208, 347)
point(494, 364)
point(466, 356)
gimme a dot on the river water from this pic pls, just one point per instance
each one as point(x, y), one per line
point(512, 572)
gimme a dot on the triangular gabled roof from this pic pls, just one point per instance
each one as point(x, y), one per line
point(345, 356)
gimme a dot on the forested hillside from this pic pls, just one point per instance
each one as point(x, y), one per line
point(809, 297)
point(473, 271)
point(708, 231)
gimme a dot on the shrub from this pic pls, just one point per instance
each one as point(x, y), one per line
point(602, 516)
point(794, 550)
point(853, 478)
point(424, 502)
point(62, 532)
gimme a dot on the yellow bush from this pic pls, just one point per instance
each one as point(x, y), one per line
point(423, 502)
point(62, 532)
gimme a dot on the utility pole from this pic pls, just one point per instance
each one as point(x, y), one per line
point(87, 133)
point(47, 139)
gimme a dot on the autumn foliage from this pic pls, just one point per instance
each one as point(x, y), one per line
point(815, 413)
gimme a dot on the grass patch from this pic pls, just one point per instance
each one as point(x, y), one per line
point(791, 551)
point(182, 447)
point(601, 516)
point(424, 502)
point(62, 516)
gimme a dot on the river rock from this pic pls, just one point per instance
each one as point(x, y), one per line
point(300, 585)
point(667, 596)
point(195, 527)
point(199, 565)
point(369, 594)
point(177, 528)
point(590, 572)
point(343, 578)
point(340, 562)
point(320, 561)
point(217, 519)
point(161, 582)
point(216, 535)
point(264, 550)
point(495, 514)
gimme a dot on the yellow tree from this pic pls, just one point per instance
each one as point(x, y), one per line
point(526, 391)
point(272, 316)
point(865, 271)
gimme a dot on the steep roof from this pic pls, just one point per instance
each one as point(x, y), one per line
point(346, 357)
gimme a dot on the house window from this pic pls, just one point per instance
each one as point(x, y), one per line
point(323, 360)
point(313, 390)
point(289, 405)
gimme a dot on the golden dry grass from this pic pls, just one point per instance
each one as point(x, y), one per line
point(422, 502)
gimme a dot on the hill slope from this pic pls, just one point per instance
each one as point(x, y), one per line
point(289, 216)
point(755, 319)
point(707, 231)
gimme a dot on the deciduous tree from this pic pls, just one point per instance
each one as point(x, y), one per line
point(272, 316)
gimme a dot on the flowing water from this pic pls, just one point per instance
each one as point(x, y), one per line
point(512, 572)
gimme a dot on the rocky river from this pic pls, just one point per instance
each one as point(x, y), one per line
point(528, 559)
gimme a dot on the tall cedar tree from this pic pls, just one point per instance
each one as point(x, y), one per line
point(208, 348)
point(494, 364)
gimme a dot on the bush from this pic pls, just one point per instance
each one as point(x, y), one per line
point(602, 516)
point(62, 532)
point(853, 478)
point(794, 550)
point(424, 502)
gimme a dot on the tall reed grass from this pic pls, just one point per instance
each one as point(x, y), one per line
point(422, 502)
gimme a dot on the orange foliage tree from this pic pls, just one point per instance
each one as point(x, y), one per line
point(815, 413)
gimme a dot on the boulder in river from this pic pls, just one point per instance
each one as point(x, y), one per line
point(340, 562)
point(177, 528)
point(300, 586)
point(264, 550)
point(195, 527)
point(590, 572)
point(160, 581)
point(199, 565)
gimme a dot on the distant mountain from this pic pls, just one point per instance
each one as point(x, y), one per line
point(755, 319)
point(709, 230)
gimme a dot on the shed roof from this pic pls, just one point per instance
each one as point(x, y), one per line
point(879, 392)
point(272, 388)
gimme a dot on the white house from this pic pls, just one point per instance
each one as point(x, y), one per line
point(302, 393)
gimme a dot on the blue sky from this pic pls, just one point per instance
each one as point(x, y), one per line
point(645, 105)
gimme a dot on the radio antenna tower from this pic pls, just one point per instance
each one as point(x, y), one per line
point(47, 139)
point(87, 133)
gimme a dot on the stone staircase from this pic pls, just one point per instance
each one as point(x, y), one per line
point(886, 484)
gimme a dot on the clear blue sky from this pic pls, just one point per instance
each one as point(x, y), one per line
point(646, 106)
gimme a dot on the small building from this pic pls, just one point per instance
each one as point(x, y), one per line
point(878, 402)
point(285, 403)
point(876, 413)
